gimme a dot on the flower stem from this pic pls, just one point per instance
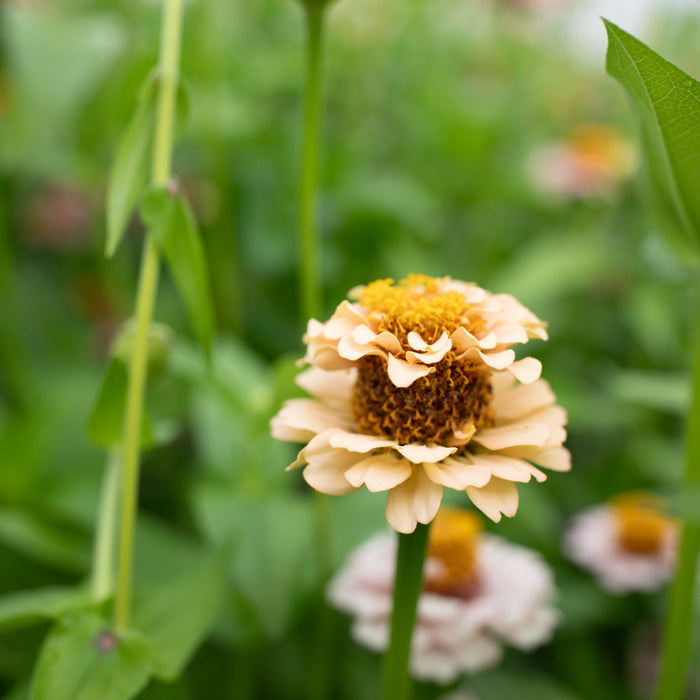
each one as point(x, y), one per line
point(102, 583)
point(407, 588)
point(679, 617)
point(309, 269)
point(145, 300)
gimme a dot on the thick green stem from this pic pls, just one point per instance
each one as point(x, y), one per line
point(102, 584)
point(679, 617)
point(148, 284)
point(309, 268)
point(407, 588)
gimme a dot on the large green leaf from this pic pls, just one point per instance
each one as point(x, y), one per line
point(175, 615)
point(27, 607)
point(82, 660)
point(668, 103)
point(129, 174)
point(172, 224)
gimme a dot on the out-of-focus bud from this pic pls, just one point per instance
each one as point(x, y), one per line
point(160, 341)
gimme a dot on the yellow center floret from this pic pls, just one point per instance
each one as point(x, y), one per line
point(417, 304)
point(453, 545)
point(454, 396)
point(642, 526)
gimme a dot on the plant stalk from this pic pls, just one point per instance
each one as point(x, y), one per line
point(168, 71)
point(407, 588)
point(309, 267)
point(679, 616)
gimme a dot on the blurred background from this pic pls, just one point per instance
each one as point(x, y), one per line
point(479, 139)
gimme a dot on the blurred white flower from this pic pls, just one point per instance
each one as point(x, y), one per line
point(591, 163)
point(479, 593)
point(459, 695)
point(628, 544)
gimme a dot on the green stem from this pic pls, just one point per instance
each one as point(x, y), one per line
point(407, 588)
point(145, 300)
point(679, 617)
point(308, 207)
point(103, 552)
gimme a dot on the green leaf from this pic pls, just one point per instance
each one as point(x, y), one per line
point(495, 685)
point(82, 660)
point(27, 607)
point(129, 174)
point(668, 103)
point(171, 223)
point(175, 615)
point(106, 420)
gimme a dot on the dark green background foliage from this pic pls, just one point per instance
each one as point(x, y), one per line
point(429, 122)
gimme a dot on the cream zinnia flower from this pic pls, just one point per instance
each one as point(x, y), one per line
point(416, 388)
point(628, 544)
point(479, 593)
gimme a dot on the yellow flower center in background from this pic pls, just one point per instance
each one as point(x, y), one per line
point(451, 397)
point(642, 526)
point(416, 304)
point(453, 543)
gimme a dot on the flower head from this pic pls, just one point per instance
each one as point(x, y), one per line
point(591, 163)
point(627, 543)
point(416, 388)
point(479, 592)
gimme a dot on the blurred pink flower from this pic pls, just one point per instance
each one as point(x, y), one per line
point(416, 388)
point(589, 164)
point(479, 593)
point(628, 544)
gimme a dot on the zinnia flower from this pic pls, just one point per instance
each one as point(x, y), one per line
point(479, 592)
point(628, 544)
point(591, 163)
point(416, 388)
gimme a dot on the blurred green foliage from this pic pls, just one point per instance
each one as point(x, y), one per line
point(433, 110)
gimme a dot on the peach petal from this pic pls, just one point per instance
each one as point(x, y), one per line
point(511, 435)
point(508, 467)
point(521, 400)
point(432, 356)
point(425, 453)
point(496, 360)
point(352, 350)
point(326, 357)
point(509, 333)
point(332, 386)
point(379, 472)
point(526, 370)
point(456, 474)
point(498, 496)
point(364, 335)
point(557, 459)
point(306, 418)
point(357, 442)
point(326, 473)
point(403, 374)
point(416, 342)
point(462, 340)
point(415, 500)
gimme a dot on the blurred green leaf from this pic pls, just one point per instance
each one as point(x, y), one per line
point(81, 659)
point(44, 538)
point(176, 614)
point(661, 391)
point(497, 685)
point(668, 103)
point(28, 607)
point(171, 222)
point(129, 174)
point(106, 421)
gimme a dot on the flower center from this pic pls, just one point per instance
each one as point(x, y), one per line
point(417, 304)
point(641, 524)
point(453, 548)
point(429, 410)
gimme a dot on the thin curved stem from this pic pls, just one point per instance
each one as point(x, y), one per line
point(145, 301)
point(309, 265)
